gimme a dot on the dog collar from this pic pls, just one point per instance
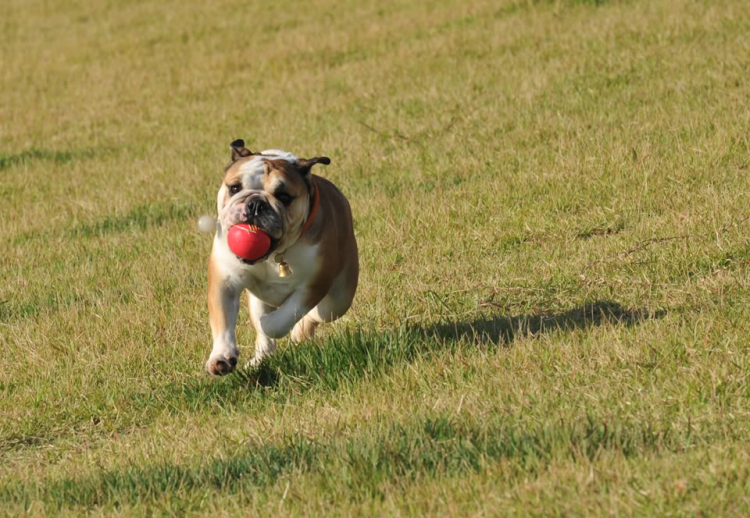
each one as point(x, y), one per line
point(284, 270)
point(314, 208)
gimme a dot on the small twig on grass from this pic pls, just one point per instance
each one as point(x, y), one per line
point(416, 138)
point(386, 134)
point(654, 240)
point(460, 404)
point(286, 491)
point(648, 242)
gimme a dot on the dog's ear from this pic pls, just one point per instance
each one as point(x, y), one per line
point(305, 164)
point(239, 150)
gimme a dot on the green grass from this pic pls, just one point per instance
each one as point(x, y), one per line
point(366, 466)
point(550, 200)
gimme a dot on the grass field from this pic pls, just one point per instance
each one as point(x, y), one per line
point(551, 205)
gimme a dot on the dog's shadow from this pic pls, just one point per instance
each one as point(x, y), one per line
point(344, 357)
point(503, 330)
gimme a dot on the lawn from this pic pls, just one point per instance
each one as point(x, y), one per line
point(551, 205)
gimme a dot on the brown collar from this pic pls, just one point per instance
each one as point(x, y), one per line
point(314, 208)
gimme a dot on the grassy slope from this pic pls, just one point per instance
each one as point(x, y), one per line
point(575, 342)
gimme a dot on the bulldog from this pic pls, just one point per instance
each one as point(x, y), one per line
point(310, 273)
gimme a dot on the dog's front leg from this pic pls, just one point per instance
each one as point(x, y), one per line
point(264, 345)
point(278, 323)
point(223, 307)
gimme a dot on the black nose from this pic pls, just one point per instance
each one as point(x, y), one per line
point(255, 206)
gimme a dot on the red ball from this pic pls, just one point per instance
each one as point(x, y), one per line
point(248, 241)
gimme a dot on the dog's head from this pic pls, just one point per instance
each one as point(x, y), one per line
point(271, 189)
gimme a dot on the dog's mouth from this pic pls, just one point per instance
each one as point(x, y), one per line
point(271, 249)
point(260, 215)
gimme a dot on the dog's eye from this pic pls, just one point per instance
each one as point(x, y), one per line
point(284, 198)
point(234, 189)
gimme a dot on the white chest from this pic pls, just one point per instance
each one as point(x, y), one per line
point(262, 279)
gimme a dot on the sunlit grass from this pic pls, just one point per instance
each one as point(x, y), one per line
point(550, 201)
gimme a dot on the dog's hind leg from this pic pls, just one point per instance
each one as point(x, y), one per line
point(333, 306)
point(304, 329)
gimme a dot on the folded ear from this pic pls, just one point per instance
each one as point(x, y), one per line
point(305, 164)
point(239, 150)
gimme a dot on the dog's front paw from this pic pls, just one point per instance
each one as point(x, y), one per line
point(221, 365)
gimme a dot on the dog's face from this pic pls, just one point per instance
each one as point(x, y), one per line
point(270, 189)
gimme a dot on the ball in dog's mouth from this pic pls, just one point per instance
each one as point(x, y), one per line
point(248, 242)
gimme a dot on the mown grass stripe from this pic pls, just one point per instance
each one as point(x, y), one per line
point(137, 219)
point(31, 155)
point(426, 447)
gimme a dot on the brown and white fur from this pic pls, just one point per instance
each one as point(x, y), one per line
point(274, 190)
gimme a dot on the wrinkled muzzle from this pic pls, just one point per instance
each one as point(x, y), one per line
point(252, 208)
point(233, 212)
